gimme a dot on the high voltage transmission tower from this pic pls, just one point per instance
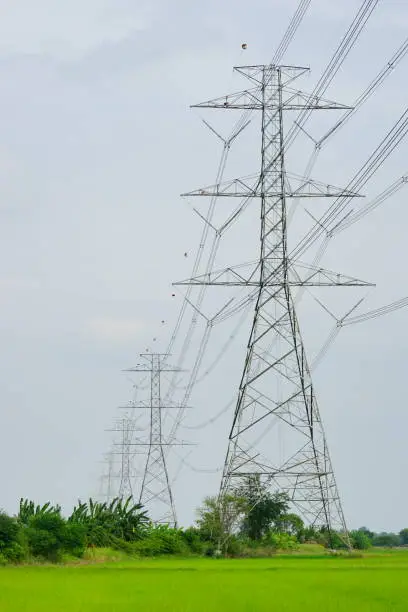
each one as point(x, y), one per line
point(127, 429)
point(119, 482)
point(277, 437)
point(107, 489)
point(155, 492)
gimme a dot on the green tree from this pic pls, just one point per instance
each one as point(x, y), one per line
point(370, 534)
point(264, 509)
point(360, 540)
point(388, 540)
point(404, 536)
point(219, 518)
point(291, 524)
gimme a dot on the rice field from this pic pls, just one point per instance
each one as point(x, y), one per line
point(368, 584)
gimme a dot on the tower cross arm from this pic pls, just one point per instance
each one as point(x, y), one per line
point(247, 275)
point(292, 99)
point(253, 186)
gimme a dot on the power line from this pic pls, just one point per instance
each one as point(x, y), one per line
point(329, 220)
point(291, 31)
point(341, 53)
point(347, 320)
point(374, 85)
point(378, 312)
point(372, 205)
point(379, 79)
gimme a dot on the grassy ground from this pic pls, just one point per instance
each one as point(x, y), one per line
point(375, 582)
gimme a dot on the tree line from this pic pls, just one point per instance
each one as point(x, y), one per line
point(252, 522)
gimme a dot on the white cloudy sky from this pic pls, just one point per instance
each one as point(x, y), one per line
point(96, 143)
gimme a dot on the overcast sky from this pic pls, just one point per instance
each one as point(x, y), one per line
point(96, 144)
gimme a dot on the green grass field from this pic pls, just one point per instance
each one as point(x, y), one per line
point(375, 582)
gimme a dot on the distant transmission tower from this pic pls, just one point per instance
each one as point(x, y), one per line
point(155, 493)
point(106, 492)
point(277, 437)
point(126, 427)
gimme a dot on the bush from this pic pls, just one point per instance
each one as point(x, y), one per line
point(333, 539)
point(74, 539)
point(403, 534)
point(9, 530)
point(43, 544)
point(49, 536)
point(234, 546)
point(192, 537)
point(98, 536)
point(3, 560)
point(12, 547)
point(310, 536)
point(16, 552)
point(161, 540)
point(280, 541)
point(360, 540)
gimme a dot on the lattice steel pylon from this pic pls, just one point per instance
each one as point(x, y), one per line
point(155, 492)
point(277, 435)
point(126, 427)
point(106, 480)
point(127, 430)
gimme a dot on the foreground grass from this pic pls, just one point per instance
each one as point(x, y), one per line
point(375, 582)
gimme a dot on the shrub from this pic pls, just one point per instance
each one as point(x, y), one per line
point(310, 535)
point(45, 535)
point(16, 552)
point(192, 537)
point(161, 540)
point(280, 541)
point(403, 534)
point(49, 536)
point(98, 535)
point(74, 539)
point(11, 540)
point(234, 546)
point(9, 530)
point(43, 544)
point(360, 540)
point(333, 539)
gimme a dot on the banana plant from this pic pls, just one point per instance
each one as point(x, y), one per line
point(120, 518)
point(28, 509)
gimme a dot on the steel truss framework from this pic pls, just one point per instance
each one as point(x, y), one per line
point(277, 436)
point(127, 432)
point(126, 427)
point(155, 492)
